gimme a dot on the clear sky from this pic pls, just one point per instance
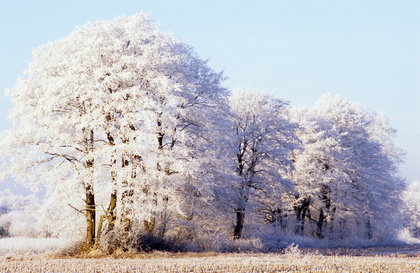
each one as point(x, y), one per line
point(368, 51)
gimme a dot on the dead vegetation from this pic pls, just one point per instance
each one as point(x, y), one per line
point(292, 259)
point(219, 263)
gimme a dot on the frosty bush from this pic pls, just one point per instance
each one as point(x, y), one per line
point(405, 235)
point(292, 250)
point(209, 242)
point(242, 245)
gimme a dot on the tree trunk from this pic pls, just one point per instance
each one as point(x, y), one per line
point(368, 226)
point(301, 211)
point(331, 222)
point(90, 219)
point(240, 218)
point(110, 212)
point(240, 215)
point(240, 210)
point(111, 215)
point(149, 225)
point(90, 213)
point(320, 224)
point(126, 200)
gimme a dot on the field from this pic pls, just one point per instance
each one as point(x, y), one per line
point(396, 259)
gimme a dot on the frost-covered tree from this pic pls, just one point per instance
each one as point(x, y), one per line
point(373, 162)
point(16, 211)
point(28, 216)
point(347, 172)
point(411, 208)
point(264, 138)
point(115, 108)
point(319, 175)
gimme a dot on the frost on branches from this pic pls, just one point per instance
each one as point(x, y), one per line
point(346, 174)
point(134, 139)
point(411, 208)
point(264, 138)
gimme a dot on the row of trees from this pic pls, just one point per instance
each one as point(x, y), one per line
point(129, 127)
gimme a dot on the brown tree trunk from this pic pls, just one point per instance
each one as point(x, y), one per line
point(111, 215)
point(126, 200)
point(90, 213)
point(149, 225)
point(110, 212)
point(90, 219)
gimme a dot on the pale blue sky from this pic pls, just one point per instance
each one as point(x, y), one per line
point(366, 50)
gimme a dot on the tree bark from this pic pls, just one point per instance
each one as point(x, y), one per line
point(110, 212)
point(149, 225)
point(111, 215)
point(90, 212)
point(301, 211)
point(90, 218)
point(240, 210)
point(368, 226)
point(320, 224)
point(240, 219)
point(126, 199)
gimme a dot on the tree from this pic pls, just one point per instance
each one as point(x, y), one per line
point(373, 162)
point(15, 212)
point(411, 208)
point(348, 170)
point(116, 106)
point(319, 175)
point(264, 138)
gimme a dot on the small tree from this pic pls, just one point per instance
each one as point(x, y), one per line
point(411, 208)
point(264, 138)
point(321, 182)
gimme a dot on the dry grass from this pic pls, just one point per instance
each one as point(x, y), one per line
point(293, 261)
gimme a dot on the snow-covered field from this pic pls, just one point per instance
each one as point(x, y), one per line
point(220, 263)
point(397, 259)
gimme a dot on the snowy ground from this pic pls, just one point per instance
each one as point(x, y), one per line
point(220, 263)
point(375, 259)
